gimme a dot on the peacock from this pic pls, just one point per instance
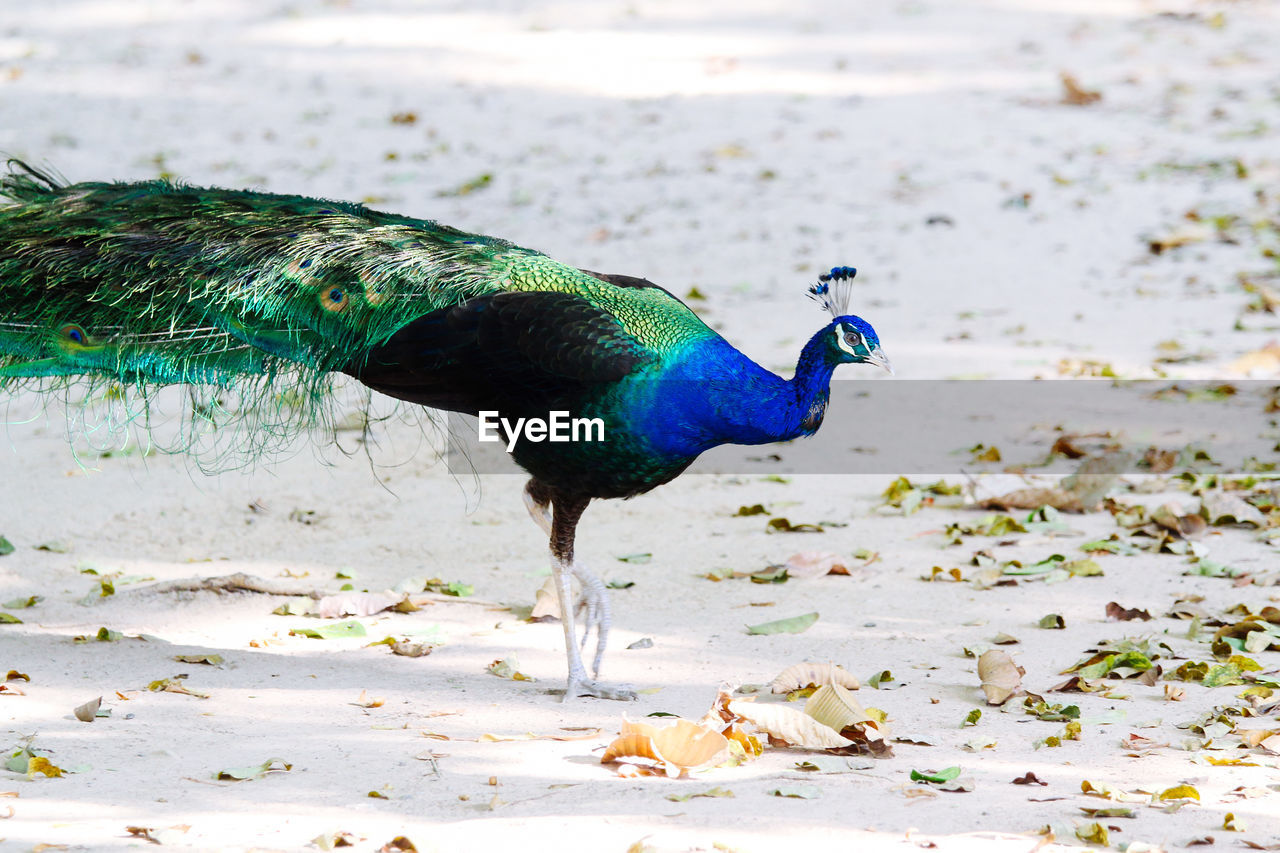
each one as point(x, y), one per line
point(155, 283)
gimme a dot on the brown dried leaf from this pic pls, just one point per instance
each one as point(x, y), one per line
point(404, 648)
point(1066, 446)
point(784, 525)
point(1117, 613)
point(802, 675)
point(1073, 94)
point(547, 605)
point(364, 701)
point(357, 603)
point(1170, 517)
point(1268, 739)
point(1001, 678)
point(751, 746)
point(1034, 499)
point(631, 746)
point(788, 725)
point(1076, 684)
point(1082, 491)
point(815, 564)
point(1263, 363)
point(676, 748)
point(174, 685)
point(1159, 461)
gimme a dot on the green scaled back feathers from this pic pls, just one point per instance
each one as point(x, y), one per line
point(262, 295)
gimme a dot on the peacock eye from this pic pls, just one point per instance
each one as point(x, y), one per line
point(852, 338)
point(334, 299)
point(74, 333)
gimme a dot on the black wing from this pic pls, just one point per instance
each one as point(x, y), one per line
point(490, 351)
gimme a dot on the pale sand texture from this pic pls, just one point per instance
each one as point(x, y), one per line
point(739, 147)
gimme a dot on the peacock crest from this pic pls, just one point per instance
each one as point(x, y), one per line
point(834, 290)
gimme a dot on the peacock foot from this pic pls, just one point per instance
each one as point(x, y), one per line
point(583, 686)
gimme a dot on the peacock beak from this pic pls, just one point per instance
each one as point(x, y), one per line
point(878, 357)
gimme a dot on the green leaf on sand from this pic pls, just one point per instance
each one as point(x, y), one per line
point(802, 792)
point(336, 631)
point(255, 771)
point(936, 778)
point(710, 792)
point(793, 625)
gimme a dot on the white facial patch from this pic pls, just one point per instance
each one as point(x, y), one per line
point(844, 344)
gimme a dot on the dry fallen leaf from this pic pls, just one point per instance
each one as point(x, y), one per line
point(88, 711)
point(802, 675)
point(357, 603)
point(363, 701)
point(676, 748)
point(815, 564)
point(404, 648)
point(836, 708)
point(547, 605)
point(1001, 678)
point(1073, 94)
point(142, 832)
point(1117, 613)
point(1184, 235)
point(585, 733)
point(1261, 363)
point(792, 727)
point(1220, 507)
point(1080, 492)
point(174, 685)
point(1034, 498)
point(509, 667)
point(1170, 517)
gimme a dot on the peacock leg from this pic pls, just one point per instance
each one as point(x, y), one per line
point(596, 615)
point(593, 605)
point(566, 513)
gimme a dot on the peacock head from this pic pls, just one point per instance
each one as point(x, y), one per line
point(849, 339)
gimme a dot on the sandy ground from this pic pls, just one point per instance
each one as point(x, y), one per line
point(736, 147)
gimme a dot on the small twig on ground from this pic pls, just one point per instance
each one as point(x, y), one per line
point(223, 584)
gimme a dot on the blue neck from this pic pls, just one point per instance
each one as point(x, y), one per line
point(719, 396)
point(811, 384)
